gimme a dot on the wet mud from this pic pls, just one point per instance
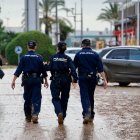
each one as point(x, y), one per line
point(117, 115)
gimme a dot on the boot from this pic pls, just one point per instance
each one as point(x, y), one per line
point(28, 118)
point(35, 119)
point(86, 120)
point(60, 118)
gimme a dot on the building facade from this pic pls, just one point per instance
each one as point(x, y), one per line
point(129, 23)
point(99, 39)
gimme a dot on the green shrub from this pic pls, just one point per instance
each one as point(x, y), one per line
point(44, 46)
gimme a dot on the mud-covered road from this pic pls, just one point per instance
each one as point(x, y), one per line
point(117, 115)
point(120, 109)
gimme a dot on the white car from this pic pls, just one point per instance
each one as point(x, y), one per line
point(71, 51)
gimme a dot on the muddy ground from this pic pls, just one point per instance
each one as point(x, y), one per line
point(117, 115)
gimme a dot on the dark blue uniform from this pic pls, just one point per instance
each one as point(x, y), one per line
point(88, 63)
point(32, 67)
point(61, 67)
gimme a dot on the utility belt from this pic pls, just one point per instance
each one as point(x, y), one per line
point(57, 75)
point(29, 75)
point(89, 75)
point(26, 76)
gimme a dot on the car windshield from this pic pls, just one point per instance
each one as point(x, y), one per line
point(71, 51)
point(102, 52)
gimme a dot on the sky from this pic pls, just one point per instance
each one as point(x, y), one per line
point(12, 10)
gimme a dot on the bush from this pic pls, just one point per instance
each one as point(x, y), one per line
point(44, 46)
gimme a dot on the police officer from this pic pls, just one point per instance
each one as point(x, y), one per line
point(88, 63)
point(61, 67)
point(31, 64)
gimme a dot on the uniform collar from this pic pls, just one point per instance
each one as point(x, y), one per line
point(31, 51)
point(86, 48)
point(60, 53)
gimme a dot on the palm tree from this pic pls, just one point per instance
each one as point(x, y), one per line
point(65, 28)
point(47, 6)
point(109, 14)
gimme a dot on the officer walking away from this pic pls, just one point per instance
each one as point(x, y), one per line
point(31, 66)
point(61, 67)
point(89, 64)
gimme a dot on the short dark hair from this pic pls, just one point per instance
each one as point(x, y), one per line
point(86, 42)
point(61, 46)
point(31, 44)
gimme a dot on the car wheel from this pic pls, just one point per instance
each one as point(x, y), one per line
point(123, 84)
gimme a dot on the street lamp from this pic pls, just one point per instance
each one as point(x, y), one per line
point(138, 22)
point(81, 20)
point(74, 15)
point(122, 25)
point(81, 14)
point(56, 34)
point(7, 19)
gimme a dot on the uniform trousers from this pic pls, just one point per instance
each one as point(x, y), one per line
point(32, 96)
point(60, 88)
point(87, 87)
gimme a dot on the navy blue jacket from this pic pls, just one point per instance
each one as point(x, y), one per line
point(31, 63)
point(87, 61)
point(62, 63)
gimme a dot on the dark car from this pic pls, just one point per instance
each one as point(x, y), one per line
point(104, 51)
point(122, 64)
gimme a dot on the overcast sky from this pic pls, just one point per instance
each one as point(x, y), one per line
point(12, 10)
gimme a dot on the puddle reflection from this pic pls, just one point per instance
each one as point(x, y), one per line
point(60, 133)
point(87, 132)
point(32, 131)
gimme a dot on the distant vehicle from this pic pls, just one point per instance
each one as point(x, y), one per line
point(122, 64)
point(71, 51)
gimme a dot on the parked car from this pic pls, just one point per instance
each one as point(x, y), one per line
point(71, 51)
point(122, 64)
point(103, 51)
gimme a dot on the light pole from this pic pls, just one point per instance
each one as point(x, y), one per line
point(7, 19)
point(56, 21)
point(122, 26)
point(138, 22)
point(122, 16)
point(81, 20)
point(74, 15)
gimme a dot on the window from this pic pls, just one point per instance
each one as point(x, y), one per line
point(103, 52)
point(134, 54)
point(71, 51)
point(118, 54)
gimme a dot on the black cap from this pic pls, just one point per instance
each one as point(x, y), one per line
point(61, 44)
point(86, 42)
point(31, 44)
